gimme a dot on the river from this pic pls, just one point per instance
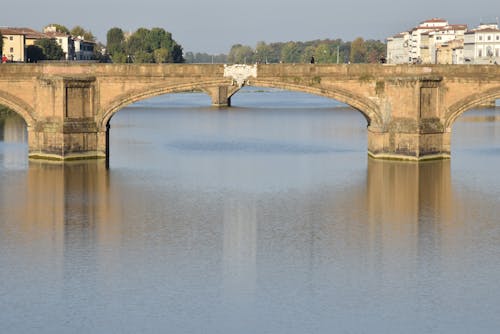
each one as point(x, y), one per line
point(267, 217)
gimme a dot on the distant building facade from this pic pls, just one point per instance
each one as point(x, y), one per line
point(425, 42)
point(17, 40)
point(84, 50)
point(482, 45)
point(65, 41)
point(398, 49)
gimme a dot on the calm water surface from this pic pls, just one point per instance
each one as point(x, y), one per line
point(267, 217)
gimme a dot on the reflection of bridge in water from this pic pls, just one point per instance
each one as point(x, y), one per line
point(410, 110)
point(385, 216)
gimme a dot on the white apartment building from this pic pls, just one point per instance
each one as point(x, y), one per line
point(397, 49)
point(416, 36)
point(421, 44)
point(65, 41)
point(482, 45)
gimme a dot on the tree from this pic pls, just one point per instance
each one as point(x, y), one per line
point(263, 53)
point(358, 51)
point(50, 48)
point(142, 57)
point(162, 55)
point(143, 46)
point(177, 54)
point(240, 54)
point(86, 34)
point(34, 54)
point(323, 53)
point(115, 41)
point(290, 53)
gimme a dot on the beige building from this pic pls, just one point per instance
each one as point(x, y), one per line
point(16, 40)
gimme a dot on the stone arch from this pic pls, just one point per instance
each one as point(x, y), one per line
point(19, 106)
point(468, 103)
point(368, 108)
point(133, 96)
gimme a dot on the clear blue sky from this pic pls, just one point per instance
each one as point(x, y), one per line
point(214, 25)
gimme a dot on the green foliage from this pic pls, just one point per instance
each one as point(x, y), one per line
point(142, 57)
point(34, 54)
point(162, 55)
point(358, 51)
point(205, 58)
point(143, 46)
point(324, 51)
point(118, 57)
point(241, 54)
point(115, 40)
point(86, 34)
point(51, 50)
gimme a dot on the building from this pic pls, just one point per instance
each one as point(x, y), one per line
point(482, 45)
point(416, 36)
point(84, 50)
point(16, 42)
point(420, 44)
point(397, 49)
point(450, 52)
point(65, 41)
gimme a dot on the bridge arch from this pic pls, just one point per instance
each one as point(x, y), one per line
point(18, 106)
point(133, 96)
point(366, 107)
point(468, 103)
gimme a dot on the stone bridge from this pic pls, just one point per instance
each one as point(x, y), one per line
point(409, 109)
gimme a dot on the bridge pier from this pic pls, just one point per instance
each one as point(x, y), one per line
point(415, 129)
point(67, 129)
point(408, 146)
point(221, 95)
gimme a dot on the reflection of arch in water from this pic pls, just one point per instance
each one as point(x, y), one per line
point(18, 106)
point(13, 128)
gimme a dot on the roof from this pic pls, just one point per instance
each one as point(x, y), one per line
point(28, 32)
point(434, 20)
point(484, 30)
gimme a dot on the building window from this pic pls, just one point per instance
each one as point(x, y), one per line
point(11, 38)
point(11, 50)
point(480, 38)
point(489, 38)
point(480, 53)
point(497, 52)
point(498, 38)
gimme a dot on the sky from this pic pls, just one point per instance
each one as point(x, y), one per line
point(213, 26)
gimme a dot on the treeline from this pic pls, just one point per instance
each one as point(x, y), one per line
point(143, 46)
point(324, 51)
point(201, 58)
